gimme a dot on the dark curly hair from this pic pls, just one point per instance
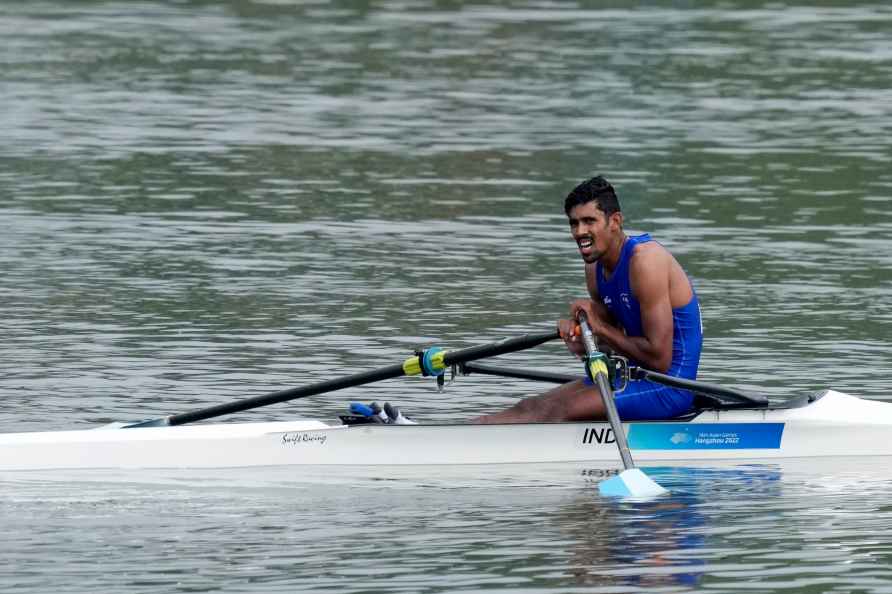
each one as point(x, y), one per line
point(596, 189)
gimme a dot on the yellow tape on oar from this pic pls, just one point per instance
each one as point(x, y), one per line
point(596, 366)
point(430, 362)
point(412, 366)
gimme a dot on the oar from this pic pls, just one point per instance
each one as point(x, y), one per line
point(735, 397)
point(726, 397)
point(528, 374)
point(631, 482)
point(432, 361)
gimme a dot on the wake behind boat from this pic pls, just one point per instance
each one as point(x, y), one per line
point(726, 425)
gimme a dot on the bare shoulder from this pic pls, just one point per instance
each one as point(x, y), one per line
point(650, 257)
point(654, 268)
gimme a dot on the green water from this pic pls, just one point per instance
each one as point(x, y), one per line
point(203, 201)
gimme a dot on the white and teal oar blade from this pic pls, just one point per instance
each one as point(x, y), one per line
point(630, 483)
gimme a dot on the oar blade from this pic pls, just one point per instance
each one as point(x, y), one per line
point(630, 483)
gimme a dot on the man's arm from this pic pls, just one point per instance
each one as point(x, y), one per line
point(649, 277)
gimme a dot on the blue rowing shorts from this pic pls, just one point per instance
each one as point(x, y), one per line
point(646, 401)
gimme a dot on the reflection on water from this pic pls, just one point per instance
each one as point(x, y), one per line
point(663, 541)
point(541, 529)
point(658, 547)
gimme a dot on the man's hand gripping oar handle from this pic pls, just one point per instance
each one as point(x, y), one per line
point(596, 366)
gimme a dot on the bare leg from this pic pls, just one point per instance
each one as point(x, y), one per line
point(573, 401)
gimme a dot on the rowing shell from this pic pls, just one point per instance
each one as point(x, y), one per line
point(827, 424)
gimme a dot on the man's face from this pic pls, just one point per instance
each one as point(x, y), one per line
point(592, 230)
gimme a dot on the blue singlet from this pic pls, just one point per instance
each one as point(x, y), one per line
point(643, 399)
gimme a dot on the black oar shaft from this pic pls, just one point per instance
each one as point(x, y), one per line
point(286, 395)
point(495, 349)
point(393, 371)
point(699, 387)
point(527, 374)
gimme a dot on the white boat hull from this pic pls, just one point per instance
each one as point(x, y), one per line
point(835, 425)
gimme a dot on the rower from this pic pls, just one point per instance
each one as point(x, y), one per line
point(641, 305)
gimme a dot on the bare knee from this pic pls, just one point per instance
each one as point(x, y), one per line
point(570, 402)
point(531, 405)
